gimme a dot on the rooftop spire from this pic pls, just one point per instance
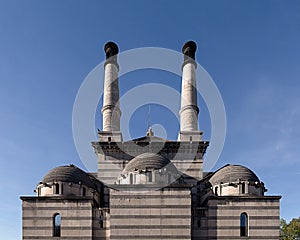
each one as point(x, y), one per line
point(149, 109)
point(149, 132)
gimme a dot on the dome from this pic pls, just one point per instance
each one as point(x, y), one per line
point(149, 161)
point(231, 173)
point(69, 173)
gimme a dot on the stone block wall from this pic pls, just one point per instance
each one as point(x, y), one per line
point(221, 220)
point(160, 214)
point(38, 212)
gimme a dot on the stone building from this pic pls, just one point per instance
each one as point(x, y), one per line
point(150, 188)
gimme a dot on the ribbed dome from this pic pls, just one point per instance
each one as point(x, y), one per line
point(149, 161)
point(68, 173)
point(231, 173)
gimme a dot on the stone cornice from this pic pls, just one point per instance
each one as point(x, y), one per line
point(133, 148)
point(55, 198)
point(147, 187)
point(240, 198)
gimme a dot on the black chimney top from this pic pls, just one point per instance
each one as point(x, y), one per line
point(111, 49)
point(189, 49)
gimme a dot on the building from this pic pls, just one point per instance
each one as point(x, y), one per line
point(150, 188)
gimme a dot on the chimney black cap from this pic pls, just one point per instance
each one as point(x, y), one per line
point(111, 49)
point(189, 49)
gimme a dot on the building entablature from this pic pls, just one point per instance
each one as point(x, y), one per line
point(171, 149)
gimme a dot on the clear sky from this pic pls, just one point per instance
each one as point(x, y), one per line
point(250, 48)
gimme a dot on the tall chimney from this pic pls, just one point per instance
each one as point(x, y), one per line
point(111, 106)
point(189, 109)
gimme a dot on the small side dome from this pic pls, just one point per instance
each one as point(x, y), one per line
point(69, 174)
point(68, 181)
point(233, 180)
point(233, 173)
point(148, 168)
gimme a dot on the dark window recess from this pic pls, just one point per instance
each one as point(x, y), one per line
point(56, 188)
point(56, 225)
point(169, 178)
point(199, 223)
point(131, 178)
point(217, 191)
point(101, 222)
point(150, 176)
point(244, 225)
point(243, 188)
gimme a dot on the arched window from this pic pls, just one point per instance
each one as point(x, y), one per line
point(243, 188)
point(130, 178)
point(169, 178)
point(101, 220)
point(83, 192)
point(217, 190)
point(101, 223)
point(56, 225)
point(56, 188)
point(150, 177)
point(198, 223)
point(244, 225)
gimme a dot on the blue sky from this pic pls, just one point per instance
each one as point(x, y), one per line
point(250, 48)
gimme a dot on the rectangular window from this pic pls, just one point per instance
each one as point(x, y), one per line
point(150, 177)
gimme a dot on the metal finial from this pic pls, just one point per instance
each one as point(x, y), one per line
point(149, 132)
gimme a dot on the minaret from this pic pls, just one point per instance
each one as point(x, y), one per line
point(111, 106)
point(189, 109)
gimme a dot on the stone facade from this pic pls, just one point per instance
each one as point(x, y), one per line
point(76, 217)
point(150, 188)
point(221, 218)
point(153, 214)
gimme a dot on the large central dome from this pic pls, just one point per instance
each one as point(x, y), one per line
point(149, 161)
point(149, 168)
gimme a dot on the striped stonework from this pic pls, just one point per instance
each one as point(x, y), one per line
point(76, 217)
point(150, 187)
point(114, 156)
point(156, 214)
point(221, 219)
